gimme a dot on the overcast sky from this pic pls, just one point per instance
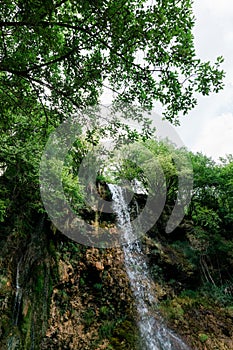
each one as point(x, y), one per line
point(209, 127)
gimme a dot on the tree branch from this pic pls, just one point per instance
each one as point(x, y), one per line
point(41, 102)
point(70, 26)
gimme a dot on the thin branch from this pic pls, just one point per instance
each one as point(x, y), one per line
point(51, 87)
point(60, 4)
point(113, 90)
point(41, 102)
point(4, 43)
point(192, 75)
point(12, 97)
point(55, 60)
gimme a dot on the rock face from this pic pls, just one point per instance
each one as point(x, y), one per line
point(72, 297)
point(57, 294)
point(90, 302)
point(205, 322)
point(26, 269)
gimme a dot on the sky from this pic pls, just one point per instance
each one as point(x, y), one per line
point(208, 128)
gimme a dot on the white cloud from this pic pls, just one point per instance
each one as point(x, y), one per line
point(221, 8)
point(216, 137)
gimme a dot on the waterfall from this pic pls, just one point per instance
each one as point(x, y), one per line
point(155, 335)
point(18, 294)
point(13, 342)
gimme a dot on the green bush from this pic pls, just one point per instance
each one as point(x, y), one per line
point(218, 293)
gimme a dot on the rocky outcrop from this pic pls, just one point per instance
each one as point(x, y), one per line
point(90, 301)
point(57, 294)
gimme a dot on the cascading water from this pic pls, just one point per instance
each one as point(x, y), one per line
point(18, 295)
point(155, 335)
point(13, 342)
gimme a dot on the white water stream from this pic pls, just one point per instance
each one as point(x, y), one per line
point(18, 294)
point(155, 335)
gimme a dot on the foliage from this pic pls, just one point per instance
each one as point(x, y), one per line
point(78, 47)
point(173, 309)
point(211, 213)
point(157, 165)
point(221, 294)
point(201, 246)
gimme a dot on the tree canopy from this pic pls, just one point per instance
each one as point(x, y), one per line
point(62, 53)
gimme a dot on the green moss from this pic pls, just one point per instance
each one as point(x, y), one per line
point(172, 309)
point(52, 249)
point(89, 317)
point(39, 283)
point(98, 286)
point(5, 324)
point(125, 336)
point(3, 282)
point(203, 337)
point(106, 329)
point(106, 311)
point(26, 321)
point(26, 327)
point(81, 282)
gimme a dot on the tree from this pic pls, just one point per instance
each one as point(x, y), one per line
point(62, 53)
point(57, 56)
point(211, 214)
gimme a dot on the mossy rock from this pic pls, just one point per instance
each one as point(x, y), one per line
point(125, 336)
